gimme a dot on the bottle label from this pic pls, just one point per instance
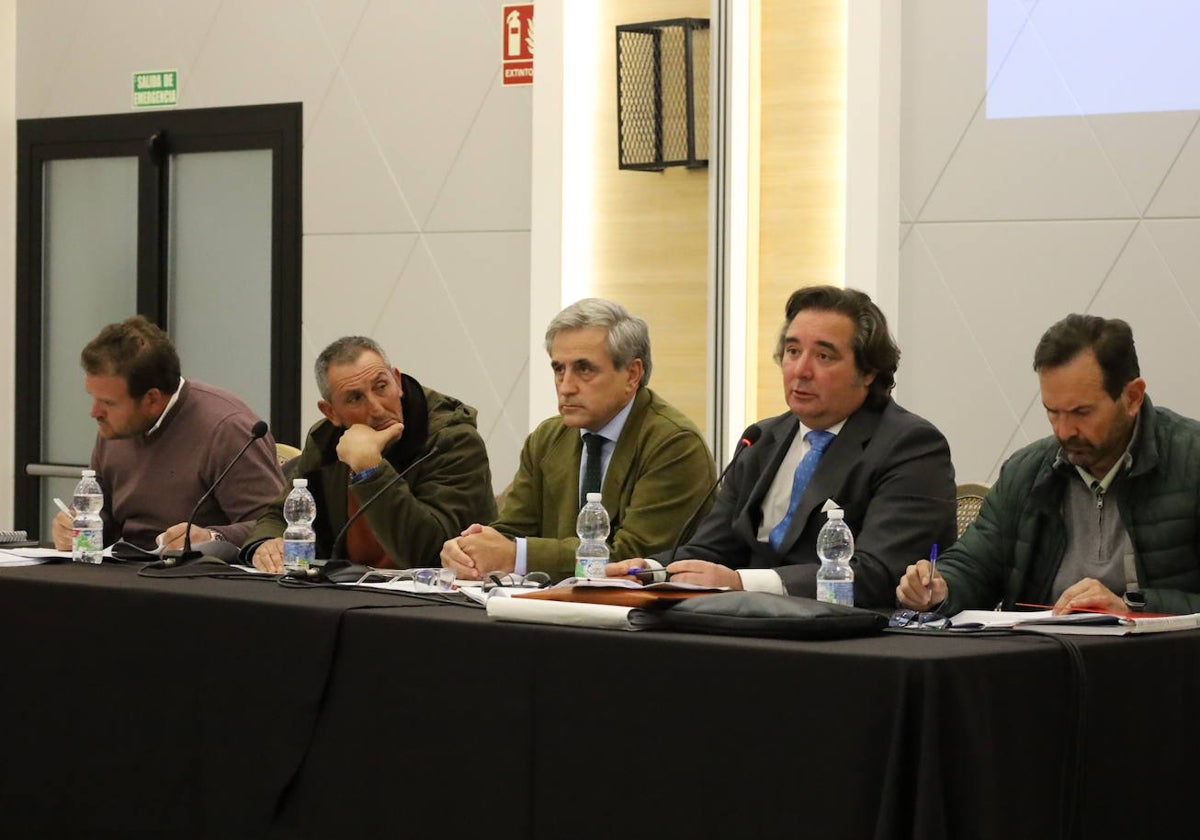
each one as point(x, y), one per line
point(590, 560)
point(298, 554)
point(87, 544)
point(836, 592)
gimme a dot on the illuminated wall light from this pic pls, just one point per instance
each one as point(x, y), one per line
point(581, 43)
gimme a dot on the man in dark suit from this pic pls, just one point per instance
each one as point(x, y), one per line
point(844, 441)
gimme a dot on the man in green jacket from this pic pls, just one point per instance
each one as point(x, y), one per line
point(379, 422)
point(648, 461)
point(1103, 515)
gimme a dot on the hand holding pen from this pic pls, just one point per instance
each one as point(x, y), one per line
point(922, 588)
point(647, 575)
point(61, 527)
point(636, 569)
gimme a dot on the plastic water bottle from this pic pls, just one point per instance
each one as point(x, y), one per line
point(299, 540)
point(592, 527)
point(87, 529)
point(835, 547)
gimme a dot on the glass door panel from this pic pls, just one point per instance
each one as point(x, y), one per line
point(89, 258)
point(219, 270)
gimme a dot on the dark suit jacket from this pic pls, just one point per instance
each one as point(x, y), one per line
point(888, 469)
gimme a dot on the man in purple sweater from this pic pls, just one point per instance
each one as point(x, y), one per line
point(162, 441)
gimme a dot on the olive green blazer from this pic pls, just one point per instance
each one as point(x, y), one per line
point(660, 471)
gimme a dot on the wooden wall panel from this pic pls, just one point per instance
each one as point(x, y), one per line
point(650, 236)
point(802, 166)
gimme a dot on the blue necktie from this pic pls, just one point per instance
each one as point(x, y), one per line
point(818, 442)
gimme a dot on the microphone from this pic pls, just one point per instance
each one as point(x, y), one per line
point(177, 557)
point(749, 438)
point(334, 563)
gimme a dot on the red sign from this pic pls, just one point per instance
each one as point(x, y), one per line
point(517, 50)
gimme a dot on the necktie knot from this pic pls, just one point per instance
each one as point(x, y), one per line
point(819, 439)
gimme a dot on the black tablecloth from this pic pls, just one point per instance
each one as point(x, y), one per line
point(237, 708)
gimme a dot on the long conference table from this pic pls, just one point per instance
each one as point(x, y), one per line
point(202, 707)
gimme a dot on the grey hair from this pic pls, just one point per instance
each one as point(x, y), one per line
point(628, 336)
point(344, 351)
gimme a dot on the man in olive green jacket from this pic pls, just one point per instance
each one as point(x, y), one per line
point(378, 423)
point(650, 463)
point(1103, 515)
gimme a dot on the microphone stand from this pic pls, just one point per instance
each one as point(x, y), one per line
point(749, 438)
point(334, 563)
point(178, 557)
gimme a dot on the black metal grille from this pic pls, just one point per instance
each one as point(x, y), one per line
point(662, 93)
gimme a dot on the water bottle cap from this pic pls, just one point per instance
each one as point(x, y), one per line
point(836, 513)
point(593, 497)
point(299, 482)
point(89, 473)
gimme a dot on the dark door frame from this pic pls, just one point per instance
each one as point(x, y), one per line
point(152, 137)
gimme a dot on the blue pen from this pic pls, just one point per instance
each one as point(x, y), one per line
point(932, 569)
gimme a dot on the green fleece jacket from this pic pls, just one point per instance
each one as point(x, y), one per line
point(1013, 550)
point(440, 496)
point(660, 471)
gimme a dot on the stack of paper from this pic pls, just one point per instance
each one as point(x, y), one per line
point(1075, 623)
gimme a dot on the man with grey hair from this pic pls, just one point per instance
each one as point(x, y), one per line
point(379, 422)
point(612, 435)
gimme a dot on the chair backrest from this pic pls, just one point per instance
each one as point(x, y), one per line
point(285, 453)
point(970, 500)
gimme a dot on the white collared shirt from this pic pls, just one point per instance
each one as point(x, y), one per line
point(170, 405)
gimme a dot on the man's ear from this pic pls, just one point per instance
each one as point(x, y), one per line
point(327, 410)
point(1134, 393)
point(154, 402)
point(635, 369)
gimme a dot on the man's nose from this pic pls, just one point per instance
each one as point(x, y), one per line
point(802, 366)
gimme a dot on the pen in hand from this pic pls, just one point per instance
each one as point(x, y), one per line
point(62, 506)
point(638, 572)
point(933, 553)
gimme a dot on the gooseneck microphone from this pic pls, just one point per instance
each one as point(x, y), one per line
point(177, 557)
point(749, 438)
point(335, 561)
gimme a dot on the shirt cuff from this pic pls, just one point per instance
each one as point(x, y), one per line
point(522, 556)
point(762, 580)
point(368, 473)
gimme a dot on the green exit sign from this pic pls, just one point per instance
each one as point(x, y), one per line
point(155, 89)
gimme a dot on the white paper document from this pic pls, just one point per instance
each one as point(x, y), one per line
point(571, 613)
point(1076, 623)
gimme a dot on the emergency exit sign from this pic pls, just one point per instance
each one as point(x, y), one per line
point(155, 89)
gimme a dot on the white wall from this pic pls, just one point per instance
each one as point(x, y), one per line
point(1008, 225)
point(416, 167)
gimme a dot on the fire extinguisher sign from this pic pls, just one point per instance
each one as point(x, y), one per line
point(517, 50)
